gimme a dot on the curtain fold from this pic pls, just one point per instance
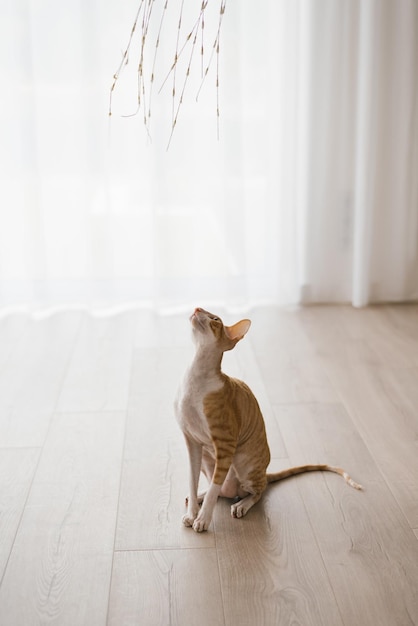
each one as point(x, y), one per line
point(310, 194)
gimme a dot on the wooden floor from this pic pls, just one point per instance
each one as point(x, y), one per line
point(93, 474)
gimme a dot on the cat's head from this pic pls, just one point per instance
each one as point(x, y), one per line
point(209, 330)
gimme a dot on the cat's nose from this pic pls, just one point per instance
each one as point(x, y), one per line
point(198, 309)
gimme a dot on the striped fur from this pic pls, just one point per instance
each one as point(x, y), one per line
point(224, 428)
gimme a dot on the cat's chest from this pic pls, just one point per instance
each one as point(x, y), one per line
point(189, 404)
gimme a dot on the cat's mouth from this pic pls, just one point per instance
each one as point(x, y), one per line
point(197, 320)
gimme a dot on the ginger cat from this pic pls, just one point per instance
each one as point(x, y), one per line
point(224, 428)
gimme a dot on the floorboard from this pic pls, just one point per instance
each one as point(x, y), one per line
point(32, 374)
point(373, 577)
point(60, 564)
point(98, 376)
point(271, 568)
point(157, 587)
point(17, 469)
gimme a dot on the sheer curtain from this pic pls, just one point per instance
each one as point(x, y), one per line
point(310, 194)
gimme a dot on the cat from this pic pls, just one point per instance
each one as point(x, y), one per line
point(224, 428)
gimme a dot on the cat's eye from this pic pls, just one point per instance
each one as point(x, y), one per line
point(215, 319)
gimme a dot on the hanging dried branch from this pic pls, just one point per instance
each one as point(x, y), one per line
point(215, 48)
point(125, 58)
point(157, 43)
point(145, 81)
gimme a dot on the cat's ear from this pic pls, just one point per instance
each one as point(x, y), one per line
point(238, 330)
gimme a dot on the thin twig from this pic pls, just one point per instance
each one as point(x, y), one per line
point(184, 87)
point(175, 66)
point(125, 56)
point(180, 52)
point(157, 43)
point(215, 48)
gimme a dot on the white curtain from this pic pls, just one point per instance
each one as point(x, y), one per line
point(310, 194)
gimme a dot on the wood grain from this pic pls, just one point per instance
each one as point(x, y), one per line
point(93, 473)
point(166, 587)
point(17, 469)
point(288, 362)
point(60, 565)
point(270, 565)
point(387, 429)
point(98, 376)
point(379, 395)
point(32, 376)
point(373, 576)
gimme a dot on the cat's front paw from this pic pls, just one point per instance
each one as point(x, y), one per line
point(193, 509)
point(188, 520)
point(200, 524)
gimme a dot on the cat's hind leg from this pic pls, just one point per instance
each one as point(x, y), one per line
point(253, 487)
point(231, 486)
point(240, 508)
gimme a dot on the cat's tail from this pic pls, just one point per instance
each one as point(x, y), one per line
point(292, 471)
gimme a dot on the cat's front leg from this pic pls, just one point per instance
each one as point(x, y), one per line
point(225, 451)
point(205, 514)
point(195, 461)
point(220, 473)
